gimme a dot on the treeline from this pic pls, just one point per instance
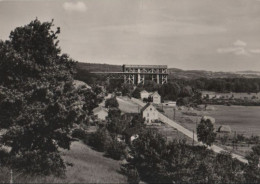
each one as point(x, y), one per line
point(154, 160)
point(239, 85)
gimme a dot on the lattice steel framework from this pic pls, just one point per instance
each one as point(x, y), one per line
point(136, 74)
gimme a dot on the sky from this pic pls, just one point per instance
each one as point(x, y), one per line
point(215, 35)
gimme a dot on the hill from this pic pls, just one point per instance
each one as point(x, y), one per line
point(173, 72)
point(89, 166)
point(96, 67)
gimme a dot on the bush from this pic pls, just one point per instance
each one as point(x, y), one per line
point(100, 140)
point(79, 134)
point(116, 150)
point(131, 173)
point(111, 102)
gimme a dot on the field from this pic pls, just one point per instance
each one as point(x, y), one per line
point(242, 119)
point(89, 166)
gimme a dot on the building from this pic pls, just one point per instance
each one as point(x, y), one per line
point(156, 97)
point(101, 113)
point(149, 113)
point(144, 94)
point(169, 103)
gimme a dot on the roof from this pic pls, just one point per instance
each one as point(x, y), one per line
point(147, 105)
point(143, 91)
point(145, 66)
point(78, 84)
point(98, 109)
point(224, 128)
point(155, 93)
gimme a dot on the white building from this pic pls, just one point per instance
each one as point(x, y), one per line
point(101, 113)
point(150, 113)
point(144, 94)
point(169, 103)
point(156, 97)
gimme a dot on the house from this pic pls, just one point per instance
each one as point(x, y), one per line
point(149, 113)
point(144, 94)
point(156, 97)
point(100, 112)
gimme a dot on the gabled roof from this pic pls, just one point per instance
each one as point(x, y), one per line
point(155, 93)
point(143, 91)
point(147, 105)
point(98, 109)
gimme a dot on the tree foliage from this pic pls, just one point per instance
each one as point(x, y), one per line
point(205, 132)
point(157, 161)
point(111, 103)
point(38, 102)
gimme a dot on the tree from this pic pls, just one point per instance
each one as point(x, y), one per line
point(136, 93)
point(38, 102)
point(111, 103)
point(205, 131)
point(252, 171)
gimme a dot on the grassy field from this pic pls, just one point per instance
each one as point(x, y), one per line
point(89, 166)
point(242, 119)
point(245, 120)
point(127, 106)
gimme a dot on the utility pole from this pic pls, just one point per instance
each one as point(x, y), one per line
point(11, 179)
point(193, 138)
point(174, 113)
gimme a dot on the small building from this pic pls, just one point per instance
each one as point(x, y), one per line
point(224, 129)
point(169, 103)
point(149, 113)
point(100, 112)
point(144, 94)
point(156, 97)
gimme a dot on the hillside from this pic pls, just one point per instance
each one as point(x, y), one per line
point(173, 72)
point(89, 166)
point(96, 67)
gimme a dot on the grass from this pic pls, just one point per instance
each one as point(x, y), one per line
point(241, 119)
point(127, 106)
point(89, 166)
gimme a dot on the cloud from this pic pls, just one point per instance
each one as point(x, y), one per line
point(75, 6)
point(255, 51)
point(164, 29)
point(233, 50)
point(239, 43)
point(239, 48)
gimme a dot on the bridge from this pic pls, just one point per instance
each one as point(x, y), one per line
point(137, 74)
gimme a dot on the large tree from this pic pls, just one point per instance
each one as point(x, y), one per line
point(38, 102)
point(205, 131)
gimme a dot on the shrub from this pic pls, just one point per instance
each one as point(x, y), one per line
point(100, 140)
point(79, 134)
point(131, 173)
point(116, 150)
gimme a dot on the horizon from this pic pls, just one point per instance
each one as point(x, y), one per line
point(219, 36)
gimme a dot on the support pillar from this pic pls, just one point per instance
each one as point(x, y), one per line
point(158, 79)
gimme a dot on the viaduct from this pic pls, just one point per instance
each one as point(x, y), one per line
point(137, 74)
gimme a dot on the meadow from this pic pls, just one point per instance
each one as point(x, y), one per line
point(89, 166)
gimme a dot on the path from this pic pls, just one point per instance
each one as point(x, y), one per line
point(187, 132)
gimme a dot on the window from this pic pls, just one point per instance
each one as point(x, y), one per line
point(147, 114)
point(151, 109)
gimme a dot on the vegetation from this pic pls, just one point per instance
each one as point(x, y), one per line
point(38, 102)
point(111, 103)
point(157, 161)
point(205, 132)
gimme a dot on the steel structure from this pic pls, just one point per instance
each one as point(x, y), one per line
point(137, 74)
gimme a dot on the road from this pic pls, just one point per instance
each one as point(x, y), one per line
point(187, 132)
